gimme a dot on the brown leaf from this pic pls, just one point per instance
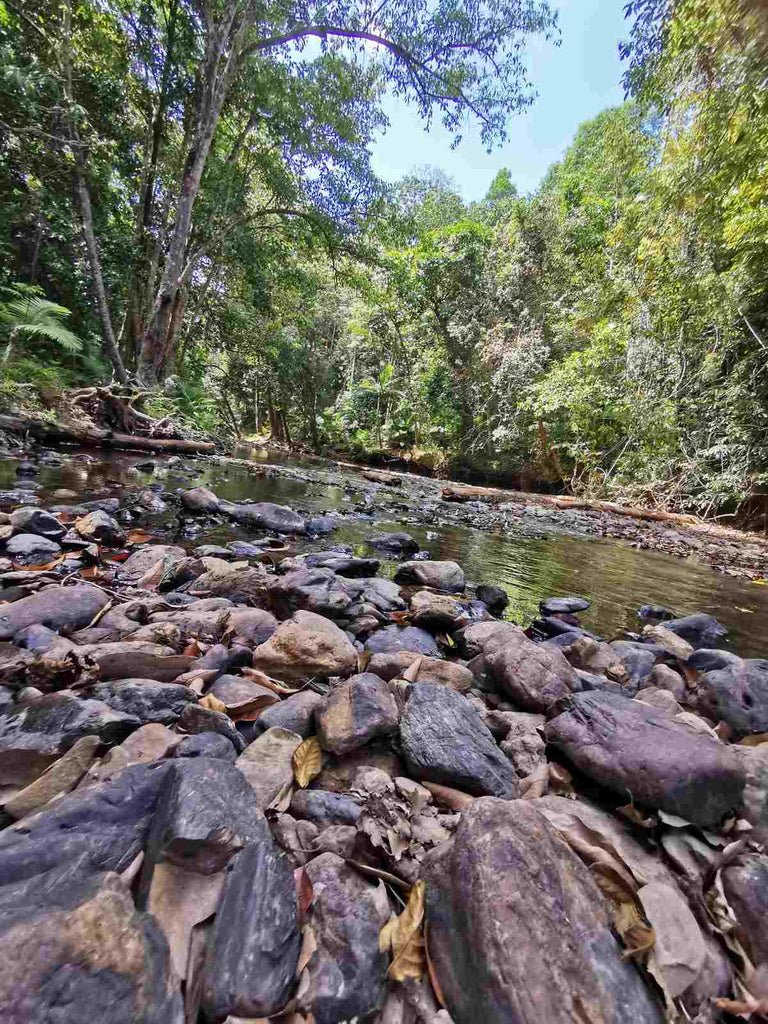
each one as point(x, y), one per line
point(304, 893)
point(535, 785)
point(307, 761)
point(628, 920)
point(213, 703)
point(742, 1008)
point(453, 798)
point(92, 573)
point(264, 680)
point(411, 674)
point(151, 579)
point(756, 740)
point(308, 949)
point(121, 556)
point(193, 650)
point(46, 567)
point(139, 537)
point(403, 936)
point(560, 780)
point(400, 618)
point(363, 657)
point(636, 817)
point(431, 968)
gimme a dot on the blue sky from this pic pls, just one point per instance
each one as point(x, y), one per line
point(575, 81)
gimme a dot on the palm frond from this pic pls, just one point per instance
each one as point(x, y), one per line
point(54, 332)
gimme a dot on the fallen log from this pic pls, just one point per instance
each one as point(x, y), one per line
point(61, 433)
point(564, 501)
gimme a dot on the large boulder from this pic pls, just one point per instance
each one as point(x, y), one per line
point(396, 543)
point(73, 949)
point(473, 639)
point(59, 608)
point(634, 749)
point(306, 645)
point(254, 947)
point(736, 694)
point(347, 973)
point(200, 500)
point(699, 630)
point(518, 930)
point(531, 675)
point(444, 740)
point(36, 732)
point(106, 825)
point(355, 712)
point(446, 576)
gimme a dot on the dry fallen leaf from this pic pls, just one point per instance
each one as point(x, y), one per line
point(411, 674)
point(46, 567)
point(631, 813)
point(139, 537)
point(213, 703)
point(636, 934)
point(304, 893)
point(151, 579)
point(400, 618)
point(403, 936)
point(560, 781)
point(430, 967)
point(193, 650)
point(307, 761)
point(92, 573)
point(755, 740)
point(363, 657)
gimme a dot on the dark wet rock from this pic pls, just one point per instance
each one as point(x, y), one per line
point(553, 626)
point(321, 526)
point(205, 815)
point(101, 528)
point(206, 744)
point(306, 645)
point(296, 714)
point(699, 630)
point(707, 661)
point(431, 670)
point(444, 740)
point(746, 888)
point(557, 605)
point(265, 515)
point(446, 576)
point(72, 539)
point(127, 659)
point(505, 868)
point(341, 564)
point(355, 712)
point(200, 500)
point(324, 808)
point(38, 638)
point(58, 608)
point(147, 699)
point(397, 543)
point(654, 611)
point(438, 612)
point(241, 585)
point(195, 719)
point(392, 639)
point(30, 547)
point(313, 590)
point(474, 638)
point(532, 675)
point(496, 598)
point(18, 498)
point(267, 765)
point(27, 469)
point(108, 505)
point(736, 694)
point(185, 570)
point(348, 973)
point(254, 947)
point(34, 520)
point(36, 732)
point(665, 678)
point(105, 824)
point(628, 746)
point(754, 806)
point(638, 659)
point(73, 948)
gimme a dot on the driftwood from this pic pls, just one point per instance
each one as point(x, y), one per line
point(562, 501)
point(96, 437)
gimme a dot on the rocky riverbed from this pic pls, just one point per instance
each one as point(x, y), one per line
point(247, 773)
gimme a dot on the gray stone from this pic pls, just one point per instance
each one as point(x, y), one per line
point(397, 543)
point(444, 741)
point(630, 747)
point(438, 612)
point(105, 824)
point(254, 948)
point(446, 576)
point(342, 565)
point(745, 883)
point(495, 598)
point(148, 700)
point(355, 712)
point(638, 659)
point(31, 547)
point(37, 732)
point(34, 520)
point(325, 809)
point(306, 645)
point(737, 695)
point(73, 949)
point(473, 639)
point(430, 670)
point(296, 714)
point(532, 675)
point(149, 743)
point(207, 744)
point(146, 558)
point(58, 608)
point(200, 500)
point(523, 744)
point(101, 528)
point(518, 931)
point(195, 719)
point(754, 806)
point(61, 777)
point(266, 516)
point(699, 630)
point(392, 639)
point(347, 973)
point(563, 605)
point(267, 766)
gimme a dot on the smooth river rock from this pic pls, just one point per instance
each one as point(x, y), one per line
point(306, 645)
point(532, 675)
point(736, 694)
point(447, 576)
point(58, 608)
point(444, 740)
point(632, 748)
point(355, 712)
point(518, 930)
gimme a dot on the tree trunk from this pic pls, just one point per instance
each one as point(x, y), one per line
point(94, 436)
